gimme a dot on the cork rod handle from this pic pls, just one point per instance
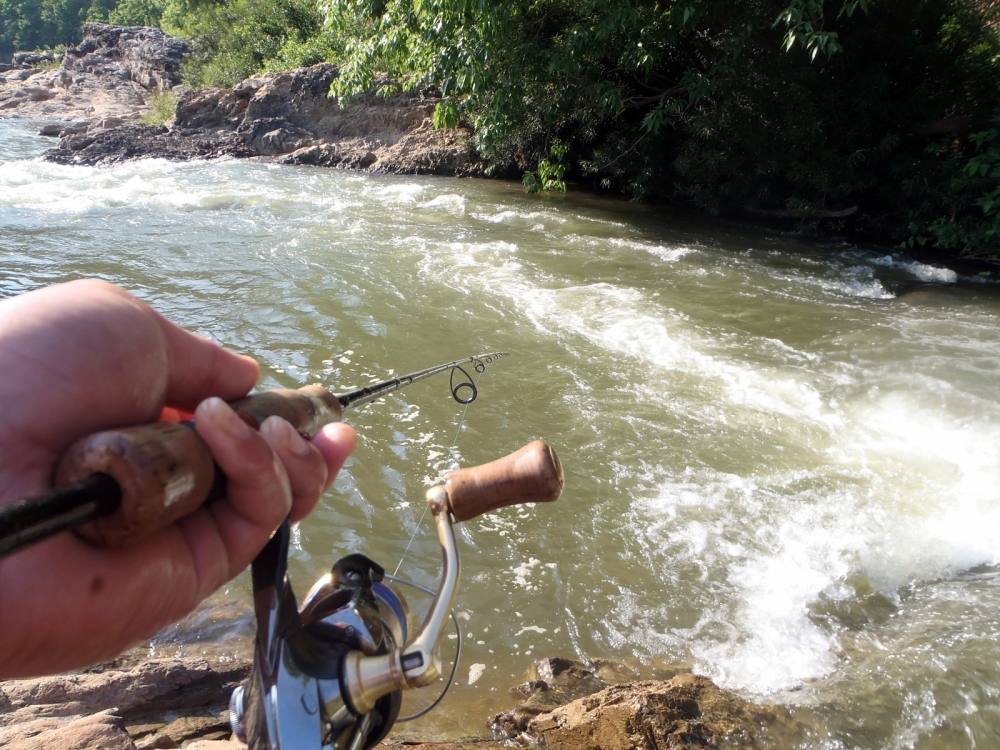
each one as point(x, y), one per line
point(165, 470)
point(531, 474)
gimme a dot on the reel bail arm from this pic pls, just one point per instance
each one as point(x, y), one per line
point(531, 474)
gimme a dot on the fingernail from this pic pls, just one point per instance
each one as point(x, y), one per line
point(225, 418)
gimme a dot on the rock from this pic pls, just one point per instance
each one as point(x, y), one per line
point(144, 55)
point(145, 141)
point(429, 151)
point(271, 136)
point(291, 117)
point(210, 109)
point(553, 683)
point(23, 74)
point(215, 745)
point(157, 703)
point(109, 74)
point(104, 730)
point(33, 57)
point(686, 711)
point(155, 685)
point(38, 93)
point(473, 744)
point(52, 130)
point(181, 730)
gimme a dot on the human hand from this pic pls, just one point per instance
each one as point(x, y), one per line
point(87, 356)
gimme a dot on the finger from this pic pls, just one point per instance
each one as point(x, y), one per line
point(199, 368)
point(303, 463)
point(259, 495)
point(335, 442)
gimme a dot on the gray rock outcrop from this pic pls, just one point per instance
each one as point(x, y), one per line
point(157, 703)
point(111, 73)
point(146, 56)
point(290, 117)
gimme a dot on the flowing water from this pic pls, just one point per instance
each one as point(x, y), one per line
point(782, 463)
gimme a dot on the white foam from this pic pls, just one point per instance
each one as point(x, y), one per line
point(907, 493)
point(663, 252)
point(450, 202)
point(922, 271)
point(407, 192)
point(512, 216)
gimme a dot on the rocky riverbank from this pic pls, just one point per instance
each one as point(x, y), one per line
point(108, 79)
point(95, 98)
point(182, 702)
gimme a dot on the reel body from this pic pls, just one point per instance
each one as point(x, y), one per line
point(294, 697)
point(330, 675)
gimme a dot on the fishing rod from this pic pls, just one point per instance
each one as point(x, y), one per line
point(117, 486)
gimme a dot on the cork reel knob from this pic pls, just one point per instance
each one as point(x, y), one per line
point(531, 474)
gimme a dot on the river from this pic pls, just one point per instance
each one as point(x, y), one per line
point(782, 462)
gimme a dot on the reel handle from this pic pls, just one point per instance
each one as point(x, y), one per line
point(532, 474)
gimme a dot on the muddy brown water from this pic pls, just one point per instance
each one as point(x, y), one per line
point(782, 461)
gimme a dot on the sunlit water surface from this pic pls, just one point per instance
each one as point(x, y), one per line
point(782, 462)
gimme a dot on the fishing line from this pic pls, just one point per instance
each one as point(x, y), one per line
point(456, 393)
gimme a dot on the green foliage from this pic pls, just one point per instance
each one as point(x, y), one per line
point(446, 116)
point(808, 104)
point(727, 106)
point(162, 107)
point(30, 24)
point(955, 199)
point(137, 13)
point(551, 172)
point(235, 39)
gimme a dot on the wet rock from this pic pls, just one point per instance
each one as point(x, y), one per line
point(355, 153)
point(429, 151)
point(686, 711)
point(554, 682)
point(145, 141)
point(271, 136)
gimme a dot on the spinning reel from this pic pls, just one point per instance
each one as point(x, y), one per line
point(329, 675)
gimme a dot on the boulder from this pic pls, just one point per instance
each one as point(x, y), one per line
point(271, 136)
point(147, 56)
point(145, 141)
point(210, 109)
point(684, 712)
point(109, 74)
point(33, 57)
point(104, 730)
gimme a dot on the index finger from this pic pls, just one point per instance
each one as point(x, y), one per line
point(199, 368)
